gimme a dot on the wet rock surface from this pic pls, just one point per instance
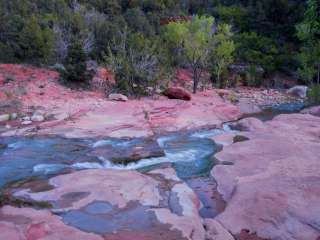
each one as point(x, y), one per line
point(127, 152)
point(53, 155)
point(268, 185)
point(272, 187)
point(27, 223)
point(247, 124)
point(312, 110)
point(206, 190)
point(118, 204)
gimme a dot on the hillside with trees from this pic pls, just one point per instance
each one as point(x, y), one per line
point(159, 119)
point(142, 41)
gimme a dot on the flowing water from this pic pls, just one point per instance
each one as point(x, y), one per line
point(190, 154)
point(269, 112)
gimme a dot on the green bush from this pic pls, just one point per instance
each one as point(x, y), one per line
point(253, 77)
point(75, 63)
point(256, 49)
point(314, 95)
point(136, 62)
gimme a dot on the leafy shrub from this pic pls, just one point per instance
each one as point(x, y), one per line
point(253, 78)
point(314, 94)
point(75, 63)
point(135, 61)
point(203, 43)
point(257, 50)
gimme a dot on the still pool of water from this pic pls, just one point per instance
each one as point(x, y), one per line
point(271, 111)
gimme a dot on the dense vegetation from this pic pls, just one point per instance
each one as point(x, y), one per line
point(136, 40)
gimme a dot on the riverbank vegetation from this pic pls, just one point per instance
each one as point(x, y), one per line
point(143, 41)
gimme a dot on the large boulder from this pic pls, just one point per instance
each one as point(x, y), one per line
point(247, 124)
point(4, 117)
point(177, 93)
point(298, 91)
point(121, 205)
point(30, 224)
point(312, 110)
point(118, 97)
point(272, 186)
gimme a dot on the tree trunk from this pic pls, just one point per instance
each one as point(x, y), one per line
point(195, 80)
point(318, 77)
point(195, 85)
point(218, 80)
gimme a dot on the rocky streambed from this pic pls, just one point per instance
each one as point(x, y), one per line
point(219, 184)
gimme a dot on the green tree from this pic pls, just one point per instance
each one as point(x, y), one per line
point(75, 63)
point(233, 15)
point(222, 54)
point(196, 40)
point(138, 22)
point(309, 33)
point(135, 61)
point(256, 50)
point(37, 43)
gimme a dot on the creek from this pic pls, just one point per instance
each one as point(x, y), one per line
point(191, 154)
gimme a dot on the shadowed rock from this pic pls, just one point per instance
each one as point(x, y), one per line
point(272, 189)
point(177, 93)
point(130, 151)
point(27, 223)
point(298, 91)
point(118, 204)
point(247, 124)
point(313, 111)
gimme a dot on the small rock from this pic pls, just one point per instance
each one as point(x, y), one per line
point(3, 146)
point(158, 91)
point(26, 118)
point(215, 231)
point(13, 116)
point(224, 139)
point(58, 67)
point(118, 97)
point(37, 118)
point(240, 138)
point(26, 122)
point(298, 91)
point(4, 117)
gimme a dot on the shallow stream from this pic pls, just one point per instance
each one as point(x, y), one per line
point(190, 154)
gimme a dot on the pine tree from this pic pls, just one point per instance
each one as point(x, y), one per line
point(75, 63)
point(309, 33)
point(36, 42)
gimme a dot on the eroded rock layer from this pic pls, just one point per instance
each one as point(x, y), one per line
point(273, 187)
